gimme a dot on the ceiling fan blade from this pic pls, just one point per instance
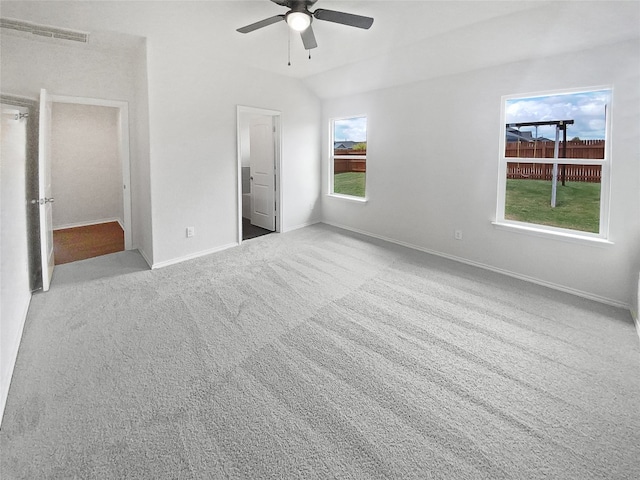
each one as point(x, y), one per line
point(308, 38)
point(262, 23)
point(343, 18)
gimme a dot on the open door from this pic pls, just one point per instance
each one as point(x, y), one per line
point(44, 187)
point(263, 173)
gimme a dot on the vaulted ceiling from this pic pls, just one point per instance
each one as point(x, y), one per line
point(409, 40)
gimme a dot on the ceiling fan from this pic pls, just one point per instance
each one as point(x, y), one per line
point(299, 18)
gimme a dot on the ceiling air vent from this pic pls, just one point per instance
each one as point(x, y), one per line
point(44, 31)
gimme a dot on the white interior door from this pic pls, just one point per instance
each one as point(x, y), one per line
point(262, 158)
point(44, 182)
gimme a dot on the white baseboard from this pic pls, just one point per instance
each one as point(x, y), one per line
point(174, 261)
point(15, 345)
point(191, 256)
point(537, 281)
point(93, 222)
point(146, 257)
point(302, 225)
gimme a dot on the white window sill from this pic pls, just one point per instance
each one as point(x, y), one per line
point(554, 234)
point(348, 197)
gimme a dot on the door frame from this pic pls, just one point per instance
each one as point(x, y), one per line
point(123, 151)
point(47, 253)
point(31, 179)
point(242, 113)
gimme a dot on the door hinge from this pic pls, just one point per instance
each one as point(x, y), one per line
point(41, 201)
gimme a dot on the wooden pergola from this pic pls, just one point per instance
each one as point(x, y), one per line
point(560, 125)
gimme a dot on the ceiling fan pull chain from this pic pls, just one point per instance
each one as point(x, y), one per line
point(289, 46)
point(309, 54)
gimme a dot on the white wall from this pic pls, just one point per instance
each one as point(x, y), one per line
point(86, 166)
point(433, 160)
point(194, 87)
point(115, 73)
point(139, 165)
point(195, 158)
point(15, 293)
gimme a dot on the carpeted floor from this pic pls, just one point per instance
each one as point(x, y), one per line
point(319, 354)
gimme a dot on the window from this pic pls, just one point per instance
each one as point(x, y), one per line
point(554, 162)
point(348, 165)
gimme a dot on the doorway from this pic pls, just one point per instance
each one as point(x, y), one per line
point(259, 164)
point(90, 170)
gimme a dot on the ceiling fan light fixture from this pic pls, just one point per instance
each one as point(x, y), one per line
point(298, 21)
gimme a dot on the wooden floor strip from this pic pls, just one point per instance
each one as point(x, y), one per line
point(79, 243)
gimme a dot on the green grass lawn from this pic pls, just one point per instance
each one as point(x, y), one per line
point(349, 183)
point(577, 204)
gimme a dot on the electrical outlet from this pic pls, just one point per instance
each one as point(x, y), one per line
point(457, 234)
point(191, 231)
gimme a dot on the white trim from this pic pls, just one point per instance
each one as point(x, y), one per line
point(554, 286)
point(191, 256)
point(605, 164)
point(6, 383)
point(86, 224)
point(146, 257)
point(351, 198)
point(332, 157)
point(559, 91)
point(98, 102)
point(302, 225)
point(351, 157)
point(277, 123)
point(571, 236)
point(123, 151)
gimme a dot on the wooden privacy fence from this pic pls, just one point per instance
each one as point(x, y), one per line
point(544, 171)
point(344, 165)
point(587, 149)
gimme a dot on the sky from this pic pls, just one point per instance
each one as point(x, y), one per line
point(354, 129)
point(587, 109)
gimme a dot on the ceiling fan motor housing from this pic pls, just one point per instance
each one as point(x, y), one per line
point(299, 18)
point(296, 5)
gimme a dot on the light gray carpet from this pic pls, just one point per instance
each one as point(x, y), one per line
point(319, 354)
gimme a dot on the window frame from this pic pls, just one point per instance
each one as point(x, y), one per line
point(537, 229)
point(333, 157)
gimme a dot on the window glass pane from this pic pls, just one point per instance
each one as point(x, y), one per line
point(571, 200)
point(350, 150)
point(350, 136)
point(584, 149)
point(529, 194)
point(531, 125)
